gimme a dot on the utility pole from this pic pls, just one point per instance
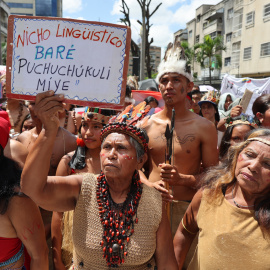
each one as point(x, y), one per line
point(142, 60)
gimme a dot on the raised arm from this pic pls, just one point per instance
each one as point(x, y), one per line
point(55, 192)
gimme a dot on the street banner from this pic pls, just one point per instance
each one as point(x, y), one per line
point(238, 86)
point(85, 61)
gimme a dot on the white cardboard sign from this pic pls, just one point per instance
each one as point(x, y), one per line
point(85, 61)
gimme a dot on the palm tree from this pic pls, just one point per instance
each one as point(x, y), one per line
point(210, 50)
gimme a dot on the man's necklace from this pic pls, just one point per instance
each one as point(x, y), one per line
point(237, 204)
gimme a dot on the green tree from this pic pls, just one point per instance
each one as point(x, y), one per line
point(190, 53)
point(209, 53)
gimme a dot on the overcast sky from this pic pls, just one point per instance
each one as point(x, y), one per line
point(171, 16)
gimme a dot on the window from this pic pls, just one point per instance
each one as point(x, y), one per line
point(190, 33)
point(265, 49)
point(236, 53)
point(197, 38)
point(229, 37)
point(250, 17)
point(227, 61)
point(19, 5)
point(230, 13)
point(247, 53)
point(198, 18)
point(237, 20)
point(205, 25)
point(266, 10)
point(213, 35)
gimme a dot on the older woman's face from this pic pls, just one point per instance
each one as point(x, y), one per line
point(253, 168)
point(118, 157)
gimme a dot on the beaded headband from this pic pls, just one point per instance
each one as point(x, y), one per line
point(95, 115)
point(260, 140)
point(245, 120)
point(126, 123)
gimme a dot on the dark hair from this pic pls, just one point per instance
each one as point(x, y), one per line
point(152, 88)
point(196, 92)
point(128, 91)
point(219, 178)
point(149, 99)
point(261, 104)
point(9, 179)
point(196, 86)
point(217, 117)
point(27, 117)
point(226, 139)
point(78, 159)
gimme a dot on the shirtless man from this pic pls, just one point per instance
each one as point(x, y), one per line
point(194, 141)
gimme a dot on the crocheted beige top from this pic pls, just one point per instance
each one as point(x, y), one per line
point(88, 230)
point(229, 238)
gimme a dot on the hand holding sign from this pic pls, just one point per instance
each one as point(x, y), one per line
point(85, 61)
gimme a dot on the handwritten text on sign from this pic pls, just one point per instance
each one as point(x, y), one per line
point(80, 60)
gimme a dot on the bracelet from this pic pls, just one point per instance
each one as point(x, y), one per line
point(186, 228)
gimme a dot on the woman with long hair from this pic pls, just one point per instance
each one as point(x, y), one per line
point(231, 212)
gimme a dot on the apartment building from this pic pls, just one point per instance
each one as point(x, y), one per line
point(245, 27)
point(134, 64)
point(4, 13)
point(52, 8)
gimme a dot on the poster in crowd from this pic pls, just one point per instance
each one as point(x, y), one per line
point(85, 61)
point(238, 86)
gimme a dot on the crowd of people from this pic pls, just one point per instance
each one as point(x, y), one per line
point(95, 189)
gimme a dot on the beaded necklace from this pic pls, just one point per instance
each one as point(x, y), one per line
point(117, 219)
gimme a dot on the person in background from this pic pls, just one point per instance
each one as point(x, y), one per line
point(261, 110)
point(237, 129)
point(196, 97)
point(86, 159)
point(153, 103)
point(27, 123)
point(231, 211)
point(21, 231)
point(208, 105)
point(225, 101)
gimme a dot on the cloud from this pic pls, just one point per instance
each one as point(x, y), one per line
point(171, 15)
point(72, 6)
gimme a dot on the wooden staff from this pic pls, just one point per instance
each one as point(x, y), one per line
point(168, 155)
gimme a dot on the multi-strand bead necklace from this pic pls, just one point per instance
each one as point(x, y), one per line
point(117, 219)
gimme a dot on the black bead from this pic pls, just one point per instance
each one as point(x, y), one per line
point(81, 264)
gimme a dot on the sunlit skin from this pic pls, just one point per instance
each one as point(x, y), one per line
point(265, 121)
point(28, 124)
point(228, 102)
point(117, 156)
point(196, 98)
point(253, 171)
point(172, 87)
point(90, 132)
point(208, 111)
point(239, 133)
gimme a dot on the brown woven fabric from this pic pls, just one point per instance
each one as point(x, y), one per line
point(67, 242)
point(229, 238)
point(88, 231)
